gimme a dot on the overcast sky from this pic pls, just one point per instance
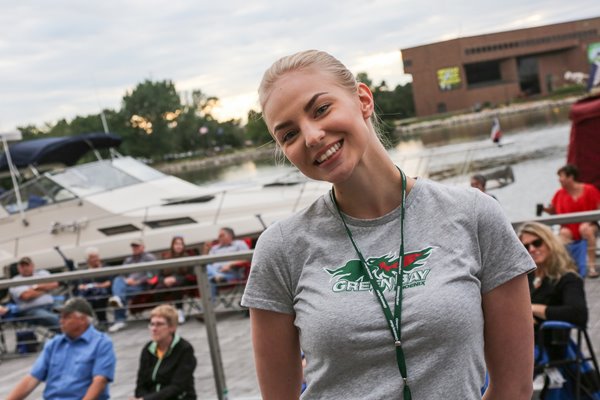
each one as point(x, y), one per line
point(63, 58)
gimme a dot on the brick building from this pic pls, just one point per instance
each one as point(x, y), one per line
point(499, 67)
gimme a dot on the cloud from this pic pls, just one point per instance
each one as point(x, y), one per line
point(65, 58)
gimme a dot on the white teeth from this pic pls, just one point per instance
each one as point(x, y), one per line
point(332, 150)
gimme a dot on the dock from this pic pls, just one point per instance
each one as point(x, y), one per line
point(236, 349)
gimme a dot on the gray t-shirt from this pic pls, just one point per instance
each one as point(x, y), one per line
point(235, 246)
point(458, 246)
point(141, 276)
point(44, 300)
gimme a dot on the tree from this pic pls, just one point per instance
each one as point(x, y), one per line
point(151, 111)
point(256, 129)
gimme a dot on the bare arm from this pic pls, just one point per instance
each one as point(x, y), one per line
point(23, 388)
point(276, 354)
point(509, 340)
point(95, 389)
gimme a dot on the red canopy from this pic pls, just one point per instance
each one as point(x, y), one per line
point(584, 144)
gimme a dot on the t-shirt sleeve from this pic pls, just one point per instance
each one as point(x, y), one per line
point(104, 363)
point(503, 257)
point(270, 284)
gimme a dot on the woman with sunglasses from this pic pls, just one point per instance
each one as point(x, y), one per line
point(394, 287)
point(167, 362)
point(556, 288)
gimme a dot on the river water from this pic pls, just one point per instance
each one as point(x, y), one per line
point(535, 154)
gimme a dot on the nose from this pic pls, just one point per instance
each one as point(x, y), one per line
point(313, 135)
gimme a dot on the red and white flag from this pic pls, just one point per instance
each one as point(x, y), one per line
point(496, 133)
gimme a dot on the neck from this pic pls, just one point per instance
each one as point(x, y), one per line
point(78, 333)
point(574, 187)
point(164, 345)
point(373, 190)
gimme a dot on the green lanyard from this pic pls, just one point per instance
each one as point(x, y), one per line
point(394, 321)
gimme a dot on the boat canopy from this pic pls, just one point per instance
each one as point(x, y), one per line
point(57, 150)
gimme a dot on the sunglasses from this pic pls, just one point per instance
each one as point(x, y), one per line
point(537, 243)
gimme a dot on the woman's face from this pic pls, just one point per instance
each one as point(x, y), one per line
point(322, 128)
point(538, 250)
point(178, 245)
point(160, 329)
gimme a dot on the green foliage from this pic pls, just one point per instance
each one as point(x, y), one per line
point(156, 123)
point(390, 105)
point(256, 129)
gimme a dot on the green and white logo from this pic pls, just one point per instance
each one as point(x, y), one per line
point(352, 276)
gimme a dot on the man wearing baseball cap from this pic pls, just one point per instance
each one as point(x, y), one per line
point(34, 302)
point(77, 364)
point(124, 287)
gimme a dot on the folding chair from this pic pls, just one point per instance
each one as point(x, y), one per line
point(574, 359)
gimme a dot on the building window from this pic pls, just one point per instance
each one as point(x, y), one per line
point(483, 73)
point(441, 107)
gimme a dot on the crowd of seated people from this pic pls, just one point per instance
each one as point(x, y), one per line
point(35, 303)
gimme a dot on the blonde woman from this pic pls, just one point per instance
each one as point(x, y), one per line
point(394, 287)
point(556, 289)
point(167, 362)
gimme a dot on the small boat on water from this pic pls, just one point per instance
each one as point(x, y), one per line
point(107, 202)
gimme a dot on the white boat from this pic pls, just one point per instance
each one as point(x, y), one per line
point(108, 202)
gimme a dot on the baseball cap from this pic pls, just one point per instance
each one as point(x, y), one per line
point(78, 304)
point(25, 260)
point(137, 242)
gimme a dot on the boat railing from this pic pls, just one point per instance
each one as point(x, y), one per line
point(561, 219)
point(76, 226)
point(442, 162)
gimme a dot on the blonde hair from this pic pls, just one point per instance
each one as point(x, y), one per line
point(166, 311)
point(559, 262)
point(307, 59)
point(320, 61)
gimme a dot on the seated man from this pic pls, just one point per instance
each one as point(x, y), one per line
point(78, 364)
point(124, 287)
point(224, 271)
point(575, 196)
point(96, 290)
point(34, 302)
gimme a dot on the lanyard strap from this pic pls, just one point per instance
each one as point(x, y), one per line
point(394, 321)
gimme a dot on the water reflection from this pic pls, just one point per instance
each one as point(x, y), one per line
point(416, 158)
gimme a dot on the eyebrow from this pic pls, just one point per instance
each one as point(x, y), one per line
point(306, 108)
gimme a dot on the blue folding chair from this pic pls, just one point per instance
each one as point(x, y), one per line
point(574, 359)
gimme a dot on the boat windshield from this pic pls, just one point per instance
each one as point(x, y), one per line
point(101, 176)
point(78, 181)
point(38, 192)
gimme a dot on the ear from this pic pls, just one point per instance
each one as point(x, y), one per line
point(365, 97)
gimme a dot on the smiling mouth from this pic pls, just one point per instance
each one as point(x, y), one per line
point(329, 153)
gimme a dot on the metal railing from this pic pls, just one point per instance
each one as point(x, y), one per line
point(561, 219)
point(198, 262)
